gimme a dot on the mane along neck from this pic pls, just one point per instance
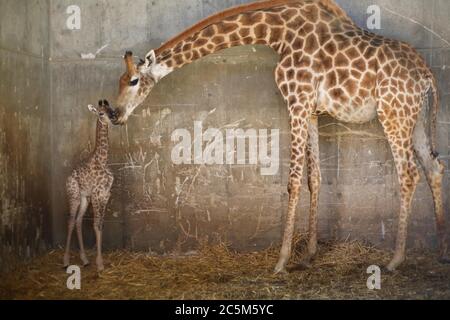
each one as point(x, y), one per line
point(250, 24)
point(331, 5)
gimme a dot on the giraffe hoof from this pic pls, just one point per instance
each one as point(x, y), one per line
point(392, 267)
point(85, 260)
point(66, 261)
point(86, 264)
point(386, 269)
point(280, 270)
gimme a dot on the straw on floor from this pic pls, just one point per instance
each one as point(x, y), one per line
point(216, 272)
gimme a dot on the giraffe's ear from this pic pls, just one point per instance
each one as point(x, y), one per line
point(92, 109)
point(150, 58)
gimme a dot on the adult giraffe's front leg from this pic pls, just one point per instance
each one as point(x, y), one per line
point(300, 113)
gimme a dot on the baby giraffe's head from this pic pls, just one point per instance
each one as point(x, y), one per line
point(104, 112)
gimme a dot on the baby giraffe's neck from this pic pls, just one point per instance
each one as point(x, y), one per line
point(101, 143)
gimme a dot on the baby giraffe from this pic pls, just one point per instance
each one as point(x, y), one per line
point(91, 183)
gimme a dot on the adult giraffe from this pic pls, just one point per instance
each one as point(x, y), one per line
point(329, 66)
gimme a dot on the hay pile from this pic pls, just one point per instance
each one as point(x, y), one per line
point(215, 272)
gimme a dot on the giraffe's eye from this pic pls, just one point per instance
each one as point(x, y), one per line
point(134, 82)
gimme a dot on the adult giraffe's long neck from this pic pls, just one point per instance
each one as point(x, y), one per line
point(272, 23)
point(258, 27)
point(101, 143)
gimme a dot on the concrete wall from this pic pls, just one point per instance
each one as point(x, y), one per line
point(159, 206)
point(24, 135)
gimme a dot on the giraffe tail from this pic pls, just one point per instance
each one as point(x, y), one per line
point(434, 114)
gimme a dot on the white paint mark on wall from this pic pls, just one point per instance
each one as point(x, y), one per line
point(164, 114)
point(92, 56)
point(179, 189)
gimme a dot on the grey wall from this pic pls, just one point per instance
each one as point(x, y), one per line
point(24, 135)
point(229, 203)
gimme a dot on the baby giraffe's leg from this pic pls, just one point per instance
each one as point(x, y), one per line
point(73, 194)
point(314, 181)
point(83, 208)
point(434, 171)
point(99, 205)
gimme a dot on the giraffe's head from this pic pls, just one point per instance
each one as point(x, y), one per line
point(135, 85)
point(103, 111)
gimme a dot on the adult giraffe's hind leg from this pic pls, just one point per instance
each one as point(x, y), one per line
point(314, 182)
point(434, 171)
point(300, 116)
point(399, 133)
